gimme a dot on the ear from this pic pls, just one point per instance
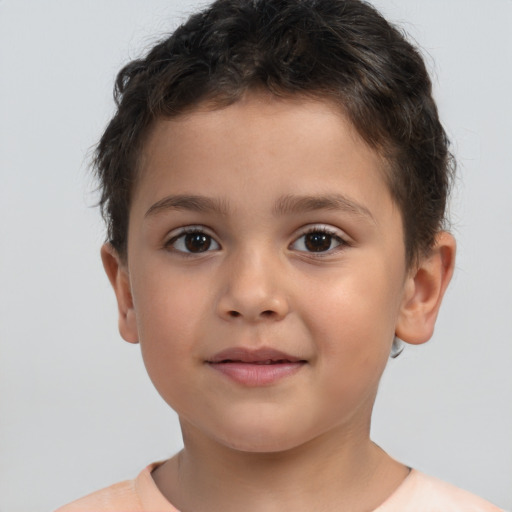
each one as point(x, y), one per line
point(118, 276)
point(424, 291)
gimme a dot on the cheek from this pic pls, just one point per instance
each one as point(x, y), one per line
point(170, 349)
point(168, 304)
point(353, 320)
point(169, 312)
point(356, 308)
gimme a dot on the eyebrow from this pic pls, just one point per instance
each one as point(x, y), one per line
point(300, 204)
point(188, 202)
point(285, 205)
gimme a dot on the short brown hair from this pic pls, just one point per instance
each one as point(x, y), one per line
point(341, 50)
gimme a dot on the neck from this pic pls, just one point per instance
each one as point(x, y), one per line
point(338, 470)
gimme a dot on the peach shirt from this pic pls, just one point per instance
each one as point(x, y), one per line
point(418, 492)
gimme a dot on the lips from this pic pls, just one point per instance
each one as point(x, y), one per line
point(257, 356)
point(259, 367)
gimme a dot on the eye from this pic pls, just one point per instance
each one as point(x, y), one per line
point(192, 240)
point(318, 240)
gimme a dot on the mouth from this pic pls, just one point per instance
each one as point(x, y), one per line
point(253, 368)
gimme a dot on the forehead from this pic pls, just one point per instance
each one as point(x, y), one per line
point(260, 130)
point(260, 148)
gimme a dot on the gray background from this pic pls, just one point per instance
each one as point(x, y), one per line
point(77, 410)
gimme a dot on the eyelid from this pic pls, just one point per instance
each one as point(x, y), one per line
point(192, 228)
point(336, 233)
point(177, 233)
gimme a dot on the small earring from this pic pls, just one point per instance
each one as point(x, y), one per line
point(397, 347)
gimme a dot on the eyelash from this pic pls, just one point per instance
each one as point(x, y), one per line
point(190, 230)
point(200, 230)
point(324, 230)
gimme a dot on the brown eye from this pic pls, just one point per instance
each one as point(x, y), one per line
point(197, 242)
point(193, 242)
point(317, 241)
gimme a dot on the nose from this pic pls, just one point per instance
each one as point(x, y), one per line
point(253, 290)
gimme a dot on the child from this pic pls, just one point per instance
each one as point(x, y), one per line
point(274, 183)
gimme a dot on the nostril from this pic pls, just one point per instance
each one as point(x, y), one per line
point(267, 313)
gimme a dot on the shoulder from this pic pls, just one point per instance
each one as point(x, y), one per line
point(120, 496)
point(428, 494)
point(138, 495)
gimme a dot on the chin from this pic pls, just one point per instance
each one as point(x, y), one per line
point(259, 444)
point(263, 437)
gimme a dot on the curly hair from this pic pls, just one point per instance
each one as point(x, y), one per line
point(340, 50)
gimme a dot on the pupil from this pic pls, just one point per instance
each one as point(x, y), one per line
point(318, 242)
point(197, 242)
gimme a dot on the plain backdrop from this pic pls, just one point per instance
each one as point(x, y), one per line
point(77, 409)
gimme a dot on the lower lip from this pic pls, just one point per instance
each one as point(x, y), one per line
point(255, 375)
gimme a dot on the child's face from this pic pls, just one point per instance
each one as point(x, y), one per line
point(264, 225)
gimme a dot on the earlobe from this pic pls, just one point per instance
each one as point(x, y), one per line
point(424, 291)
point(118, 276)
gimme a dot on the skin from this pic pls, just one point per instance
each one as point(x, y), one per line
point(302, 442)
